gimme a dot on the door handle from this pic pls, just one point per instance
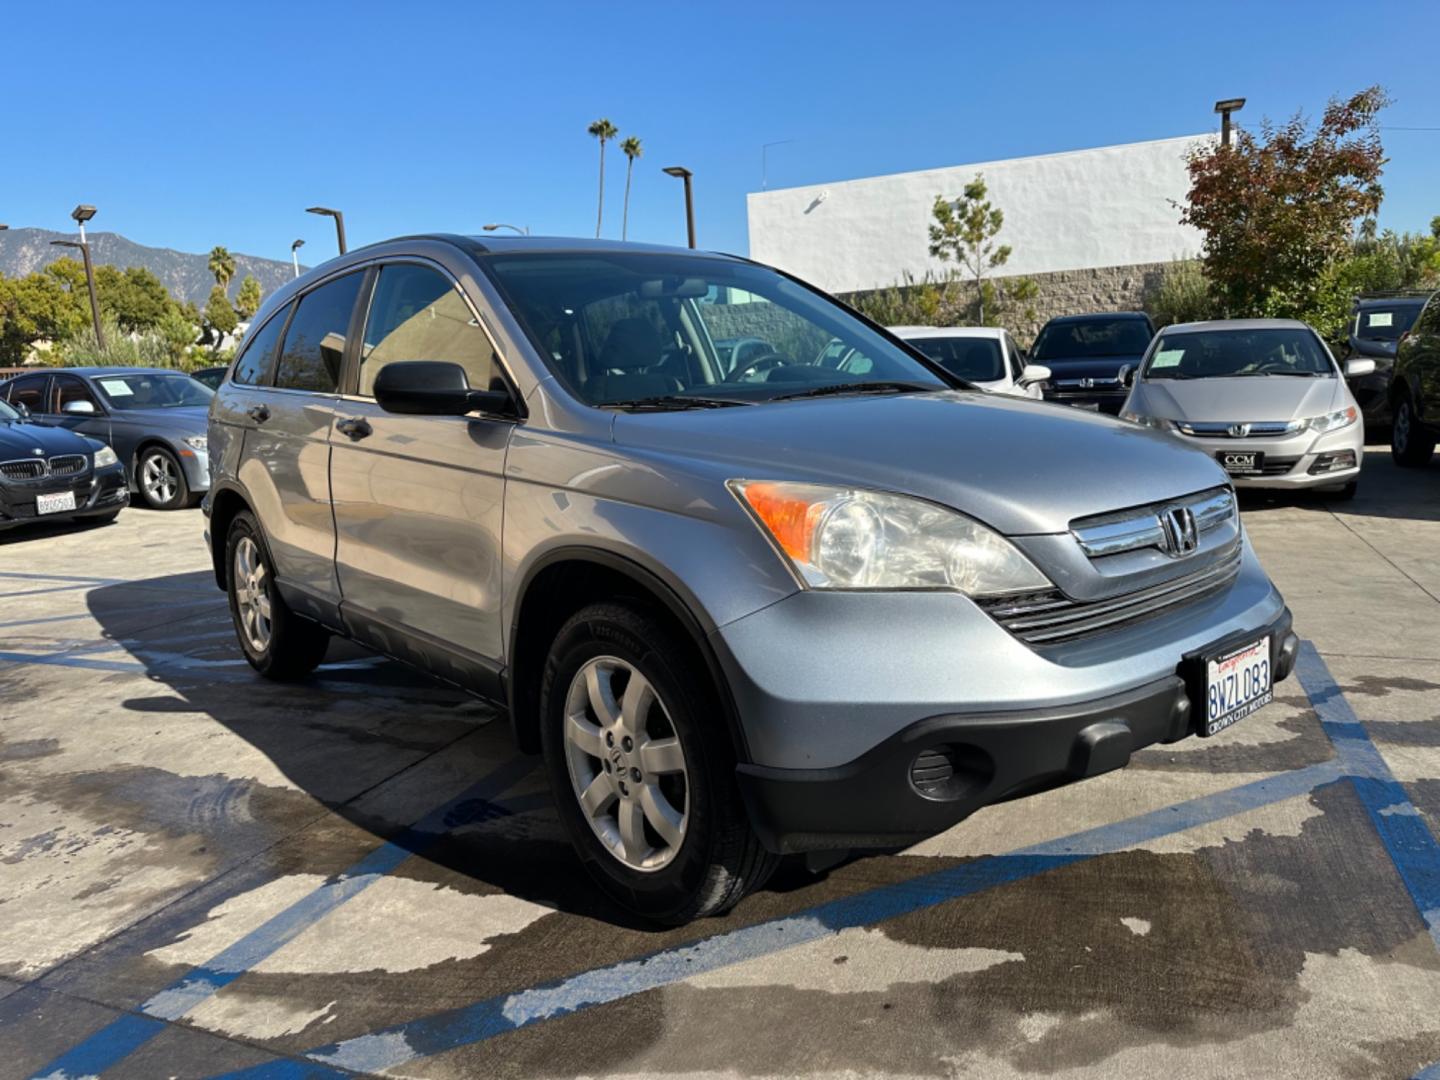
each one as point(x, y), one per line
point(259, 413)
point(357, 427)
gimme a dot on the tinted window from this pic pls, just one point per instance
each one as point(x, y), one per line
point(416, 314)
point(315, 343)
point(151, 390)
point(252, 366)
point(972, 359)
point(68, 388)
point(29, 390)
point(1230, 354)
point(1017, 362)
point(1429, 321)
point(1090, 338)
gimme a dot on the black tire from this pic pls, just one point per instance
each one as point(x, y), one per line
point(294, 645)
point(1411, 446)
point(160, 479)
point(720, 859)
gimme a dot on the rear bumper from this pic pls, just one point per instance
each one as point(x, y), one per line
point(934, 773)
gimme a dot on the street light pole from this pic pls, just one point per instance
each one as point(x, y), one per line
point(82, 214)
point(685, 174)
point(501, 225)
point(295, 256)
point(1225, 108)
point(325, 211)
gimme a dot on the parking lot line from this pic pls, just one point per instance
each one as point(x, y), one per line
point(119, 1039)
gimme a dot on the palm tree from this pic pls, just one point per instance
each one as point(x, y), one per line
point(222, 265)
point(633, 150)
point(603, 130)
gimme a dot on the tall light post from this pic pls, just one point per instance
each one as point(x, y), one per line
point(501, 225)
point(295, 256)
point(325, 211)
point(1225, 108)
point(685, 174)
point(82, 214)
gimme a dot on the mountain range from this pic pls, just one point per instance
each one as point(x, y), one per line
point(23, 251)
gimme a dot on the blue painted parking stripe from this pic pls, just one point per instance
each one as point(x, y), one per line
point(17, 575)
point(120, 1038)
point(64, 660)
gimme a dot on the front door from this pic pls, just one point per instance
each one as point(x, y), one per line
point(71, 390)
point(418, 500)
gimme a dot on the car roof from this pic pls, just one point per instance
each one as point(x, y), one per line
point(112, 369)
point(1363, 302)
point(1095, 315)
point(1236, 324)
point(994, 332)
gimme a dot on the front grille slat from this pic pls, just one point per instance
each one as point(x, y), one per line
point(23, 469)
point(38, 468)
point(1049, 618)
point(67, 464)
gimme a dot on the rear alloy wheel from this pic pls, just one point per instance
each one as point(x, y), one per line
point(161, 480)
point(278, 643)
point(1410, 445)
point(642, 767)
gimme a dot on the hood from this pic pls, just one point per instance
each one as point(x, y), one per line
point(1385, 350)
point(1088, 367)
point(179, 419)
point(21, 440)
point(1021, 466)
point(1272, 397)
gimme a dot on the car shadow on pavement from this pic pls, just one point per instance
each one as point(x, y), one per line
point(1386, 491)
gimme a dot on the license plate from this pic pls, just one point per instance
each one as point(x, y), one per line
point(1241, 462)
point(55, 504)
point(1237, 683)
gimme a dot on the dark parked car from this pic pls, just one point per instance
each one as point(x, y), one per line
point(212, 377)
point(153, 419)
point(1085, 355)
point(1378, 322)
point(1415, 390)
point(51, 474)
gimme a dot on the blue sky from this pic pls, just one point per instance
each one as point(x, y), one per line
point(191, 124)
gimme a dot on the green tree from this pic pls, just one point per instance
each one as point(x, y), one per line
point(964, 231)
point(36, 308)
point(632, 149)
point(247, 299)
point(222, 265)
point(135, 298)
point(603, 130)
point(220, 317)
point(1279, 208)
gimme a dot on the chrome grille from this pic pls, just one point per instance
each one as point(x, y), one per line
point(1240, 429)
point(38, 468)
point(22, 469)
point(67, 465)
point(1144, 526)
point(1051, 617)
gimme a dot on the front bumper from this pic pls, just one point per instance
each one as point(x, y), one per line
point(1291, 461)
point(1102, 400)
point(97, 492)
point(937, 771)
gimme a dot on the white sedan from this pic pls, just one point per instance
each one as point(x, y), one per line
point(984, 355)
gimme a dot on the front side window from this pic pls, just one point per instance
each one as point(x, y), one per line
point(1231, 354)
point(68, 389)
point(314, 345)
point(150, 390)
point(7, 414)
point(1090, 339)
point(29, 390)
point(625, 327)
point(417, 314)
point(252, 366)
point(971, 359)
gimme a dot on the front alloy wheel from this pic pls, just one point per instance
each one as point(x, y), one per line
point(252, 594)
point(626, 765)
point(161, 482)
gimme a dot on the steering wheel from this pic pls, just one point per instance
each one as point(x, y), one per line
point(770, 360)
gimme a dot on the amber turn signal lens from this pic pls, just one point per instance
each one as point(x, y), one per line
point(791, 521)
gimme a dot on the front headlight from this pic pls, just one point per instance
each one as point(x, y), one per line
point(105, 456)
point(1334, 421)
point(847, 538)
point(1153, 422)
point(197, 442)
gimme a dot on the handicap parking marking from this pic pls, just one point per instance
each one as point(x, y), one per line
point(117, 1040)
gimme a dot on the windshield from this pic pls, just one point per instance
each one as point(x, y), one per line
point(625, 327)
point(1091, 338)
point(1387, 323)
point(147, 390)
point(7, 413)
point(971, 359)
point(1222, 354)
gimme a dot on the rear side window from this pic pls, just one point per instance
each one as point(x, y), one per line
point(315, 343)
point(417, 314)
point(252, 366)
point(29, 390)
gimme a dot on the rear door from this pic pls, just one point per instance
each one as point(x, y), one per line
point(285, 460)
point(418, 500)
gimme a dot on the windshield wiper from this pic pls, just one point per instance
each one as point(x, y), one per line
point(876, 387)
point(665, 402)
point(1294, 374)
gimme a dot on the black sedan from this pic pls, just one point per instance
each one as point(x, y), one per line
point(51, 474)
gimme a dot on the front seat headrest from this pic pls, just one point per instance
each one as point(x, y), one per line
point(632, 345)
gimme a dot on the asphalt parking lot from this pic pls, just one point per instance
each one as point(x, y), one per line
point(204, 874)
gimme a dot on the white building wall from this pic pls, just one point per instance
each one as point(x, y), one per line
point(1112, 206)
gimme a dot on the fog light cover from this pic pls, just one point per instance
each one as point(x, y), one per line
point(1336, 462)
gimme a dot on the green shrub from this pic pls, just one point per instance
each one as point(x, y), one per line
point(1182, 295)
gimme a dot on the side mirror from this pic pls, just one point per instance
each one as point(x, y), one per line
point(22, 409)
point(78, 408)
point(1357, 366)
point(435, 388)
point(1033, 373)
point(1126, 375)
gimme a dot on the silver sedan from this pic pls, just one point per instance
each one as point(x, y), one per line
point(1264, 397)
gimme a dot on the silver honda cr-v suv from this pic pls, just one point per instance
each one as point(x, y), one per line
point(824, 598)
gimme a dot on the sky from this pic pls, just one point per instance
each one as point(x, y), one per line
point(190, 125)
